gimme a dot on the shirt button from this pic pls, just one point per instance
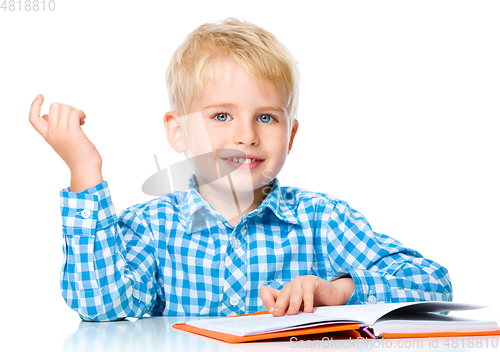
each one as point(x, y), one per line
point(372, 299)
point(86, 213)
point(236, 243)
point(234, 300)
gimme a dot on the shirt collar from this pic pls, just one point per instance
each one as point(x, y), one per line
point(195, 205)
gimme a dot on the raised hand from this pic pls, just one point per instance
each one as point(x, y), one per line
point(61, 129)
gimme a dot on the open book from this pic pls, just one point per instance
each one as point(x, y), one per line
point(385, 320)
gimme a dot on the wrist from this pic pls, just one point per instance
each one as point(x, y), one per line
point(85, 170)
point(345, 287)
point(83, 178)
point(79, 166)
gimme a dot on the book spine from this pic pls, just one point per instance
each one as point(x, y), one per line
point(368, 331)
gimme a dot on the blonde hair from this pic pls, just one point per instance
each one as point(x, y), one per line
point(256, 50)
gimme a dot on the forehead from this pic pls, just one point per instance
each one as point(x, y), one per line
point(228, 80)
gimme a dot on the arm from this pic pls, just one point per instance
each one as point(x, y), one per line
point(365, 267)
point(110, 267)
point(109, 270)
point(383, 269)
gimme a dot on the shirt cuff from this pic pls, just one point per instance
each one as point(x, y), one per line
point(86, 212)
point(370, 287)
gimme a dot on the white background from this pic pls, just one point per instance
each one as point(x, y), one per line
point(398, 113)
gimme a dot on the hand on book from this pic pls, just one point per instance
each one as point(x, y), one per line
point(304, 293)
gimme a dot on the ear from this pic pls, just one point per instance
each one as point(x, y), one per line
point(174, 131)
point(295, 127)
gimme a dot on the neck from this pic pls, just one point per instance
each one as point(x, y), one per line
point(230, 204)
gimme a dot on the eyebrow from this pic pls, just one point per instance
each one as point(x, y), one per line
point(232, 106)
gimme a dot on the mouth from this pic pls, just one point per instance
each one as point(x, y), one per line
point(243, 160)
point(248, 162)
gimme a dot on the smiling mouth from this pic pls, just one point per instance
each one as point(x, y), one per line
point(242, 160)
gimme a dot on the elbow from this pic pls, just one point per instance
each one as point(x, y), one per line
point(93, 311)
point(444, 288)
point(107, 314)
point(448, 288)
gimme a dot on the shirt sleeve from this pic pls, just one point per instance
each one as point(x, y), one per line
point(382, 268)
point(109, 271)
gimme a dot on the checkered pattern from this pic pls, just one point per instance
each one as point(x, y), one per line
point(175, 255)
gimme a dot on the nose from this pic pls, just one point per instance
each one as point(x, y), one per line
point(246, 133)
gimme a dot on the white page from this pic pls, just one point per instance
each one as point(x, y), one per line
point(366, 314)
point(430, 322)
point(370, 313)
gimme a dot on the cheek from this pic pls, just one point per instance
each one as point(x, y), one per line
point(200, 139)
point(282, 157)
point(278, 141)
point(278, 148)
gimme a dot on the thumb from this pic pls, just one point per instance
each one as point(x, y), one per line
point(39, 123)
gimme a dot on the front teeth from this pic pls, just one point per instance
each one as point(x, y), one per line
point(242, 160)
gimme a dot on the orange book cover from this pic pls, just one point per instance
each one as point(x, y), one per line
point(345, 331)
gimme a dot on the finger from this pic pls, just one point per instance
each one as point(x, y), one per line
point(76, 118)
point(268, 296)
point(38, 123)
point(282, 301)
point(296, 295)
point(308, 296)
point(62, 118)
point(82, 119)
point(53, 115)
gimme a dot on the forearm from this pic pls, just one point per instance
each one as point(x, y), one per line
point(415, 279)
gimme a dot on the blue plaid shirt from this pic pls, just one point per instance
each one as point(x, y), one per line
point(175, 255)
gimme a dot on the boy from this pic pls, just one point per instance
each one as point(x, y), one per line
point(236, 242)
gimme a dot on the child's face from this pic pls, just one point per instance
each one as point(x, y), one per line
point(243, 120)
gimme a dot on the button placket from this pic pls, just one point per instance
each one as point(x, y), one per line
point(236, 243)
point(235, 294)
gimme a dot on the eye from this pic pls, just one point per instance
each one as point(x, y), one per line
point(266, 118)
point(221, 117)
